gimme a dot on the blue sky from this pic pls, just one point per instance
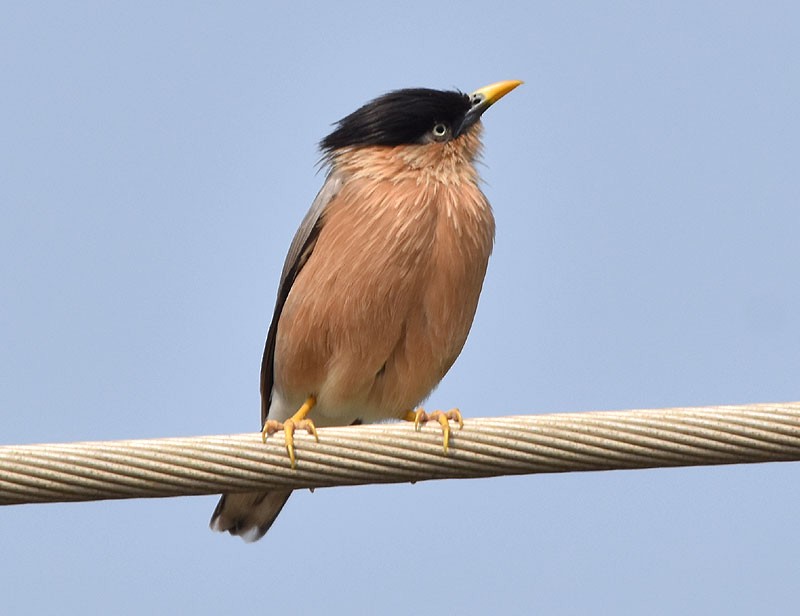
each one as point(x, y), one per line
point(156, 161)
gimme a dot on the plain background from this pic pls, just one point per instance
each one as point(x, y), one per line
point(155, 163)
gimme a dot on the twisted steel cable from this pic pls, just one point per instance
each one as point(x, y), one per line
point(393, 453)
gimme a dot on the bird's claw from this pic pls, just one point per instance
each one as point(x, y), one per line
point(420, 417)
point(298, 421)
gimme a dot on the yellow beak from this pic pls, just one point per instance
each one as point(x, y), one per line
point(488, 95)
point(482, 99)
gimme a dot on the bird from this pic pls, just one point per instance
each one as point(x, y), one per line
point(381, 281)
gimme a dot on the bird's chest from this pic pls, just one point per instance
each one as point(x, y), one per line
point(385, 301)
point(395, 255)
point(407, 235)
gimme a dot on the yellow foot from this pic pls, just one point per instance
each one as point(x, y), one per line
point(443, 417)
point(297, 421)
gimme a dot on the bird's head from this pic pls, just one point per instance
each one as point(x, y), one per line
point(415, 116)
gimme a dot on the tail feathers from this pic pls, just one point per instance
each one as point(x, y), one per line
point(248, 515)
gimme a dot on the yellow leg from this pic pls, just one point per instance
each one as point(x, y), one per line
point(443, 417)
point(297, 421)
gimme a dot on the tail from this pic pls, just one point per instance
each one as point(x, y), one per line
point(248, 515)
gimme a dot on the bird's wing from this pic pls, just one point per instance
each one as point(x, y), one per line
point(301, 248)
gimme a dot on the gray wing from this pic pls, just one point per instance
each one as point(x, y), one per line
point(301, 248)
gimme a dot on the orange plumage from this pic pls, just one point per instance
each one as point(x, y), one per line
point(384, 304)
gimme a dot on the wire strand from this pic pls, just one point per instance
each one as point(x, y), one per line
point(396, 453)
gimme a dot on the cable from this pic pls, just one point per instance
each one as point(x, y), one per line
point(394, 453)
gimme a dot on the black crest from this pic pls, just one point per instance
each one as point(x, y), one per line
point(398, 118)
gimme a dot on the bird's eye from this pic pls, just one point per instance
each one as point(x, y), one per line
point(440, 131)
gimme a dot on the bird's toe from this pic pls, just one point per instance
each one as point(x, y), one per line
point(420, 417)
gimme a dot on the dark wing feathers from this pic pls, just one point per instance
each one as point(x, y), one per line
point(301, 248)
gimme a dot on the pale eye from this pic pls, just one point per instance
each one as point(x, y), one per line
point(440, 131)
